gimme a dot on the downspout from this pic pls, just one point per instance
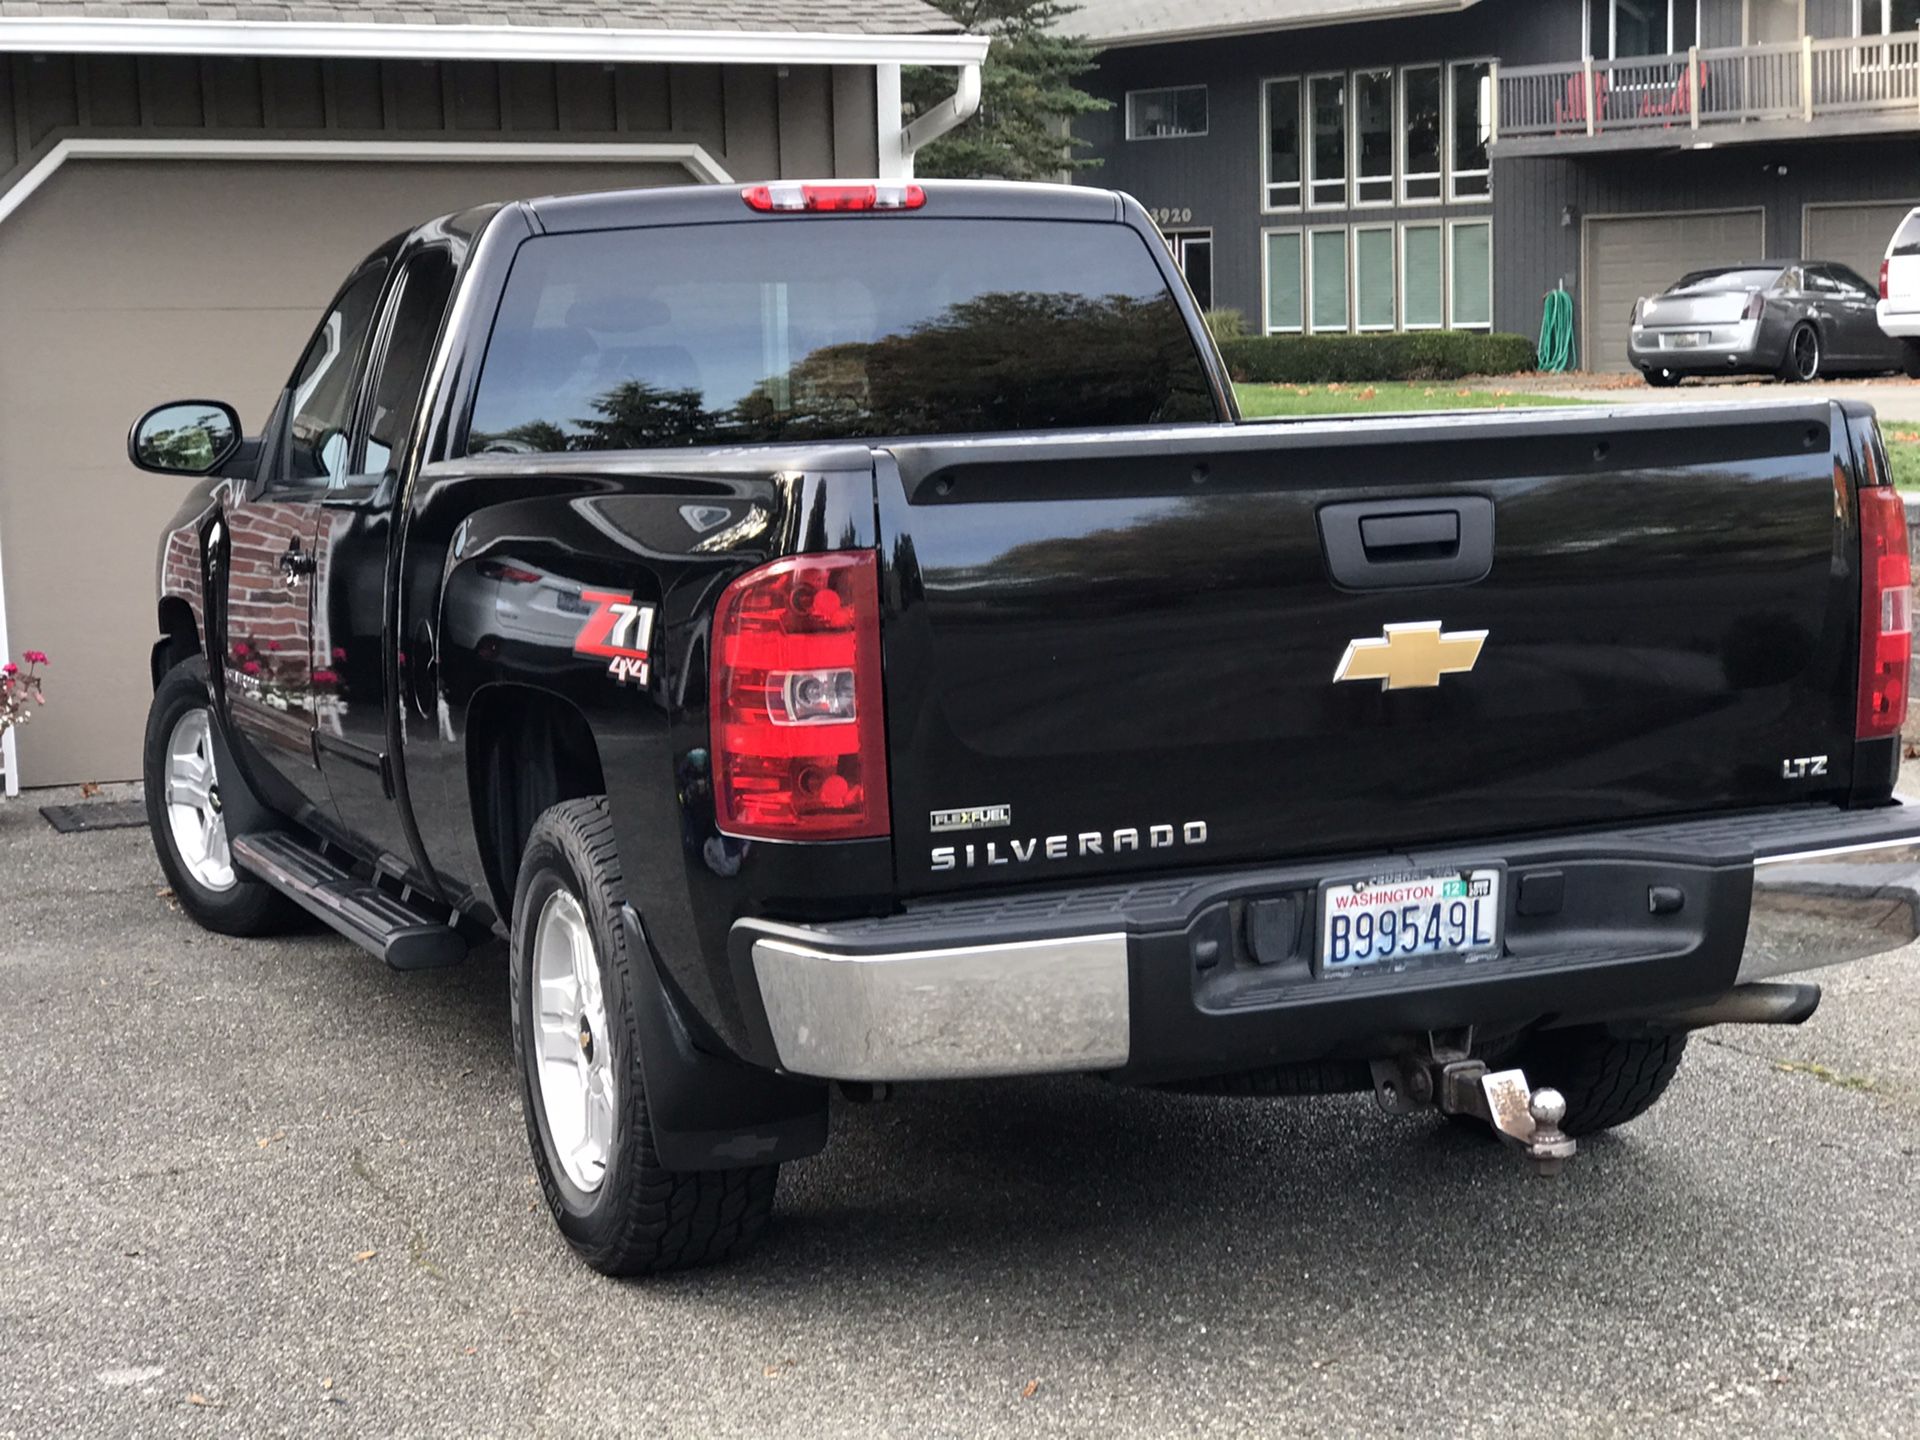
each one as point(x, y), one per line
point(898, 143)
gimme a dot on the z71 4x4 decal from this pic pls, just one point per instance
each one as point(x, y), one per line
point(618, 630)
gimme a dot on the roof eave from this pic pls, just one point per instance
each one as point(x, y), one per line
point(1268, 26)
point(91, 35)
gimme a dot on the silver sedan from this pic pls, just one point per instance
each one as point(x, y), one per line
point(1798, 319)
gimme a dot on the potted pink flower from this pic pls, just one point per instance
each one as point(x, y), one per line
point(21, 690)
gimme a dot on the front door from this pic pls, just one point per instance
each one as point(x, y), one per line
point(267, 630)
point(356, 657)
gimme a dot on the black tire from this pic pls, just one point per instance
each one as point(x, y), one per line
point(1910, 359)
point(1661, 379)
point(244, 906)
point(640, 1218)
point(1800, 361)
point(1607, 1080)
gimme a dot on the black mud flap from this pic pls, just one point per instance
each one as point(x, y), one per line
point(710, 1112)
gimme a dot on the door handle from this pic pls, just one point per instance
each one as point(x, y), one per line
point(1387, 544)
point(296, 564)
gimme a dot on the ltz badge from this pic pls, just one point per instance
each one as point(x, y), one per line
point(618, 630)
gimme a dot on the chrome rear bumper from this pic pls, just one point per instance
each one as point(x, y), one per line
point(1815, 908)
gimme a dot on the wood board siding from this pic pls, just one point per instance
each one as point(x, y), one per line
point(756, 121)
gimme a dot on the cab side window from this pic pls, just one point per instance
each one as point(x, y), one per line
point(416, 310)
point(322, 384)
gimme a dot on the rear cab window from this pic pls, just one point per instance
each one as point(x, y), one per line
point(829, 329)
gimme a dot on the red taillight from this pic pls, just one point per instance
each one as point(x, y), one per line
point(791, 195)
point(1883, 279)
point(507, 570)
point(1756, 305)
point(799, 740)
point(1886, 613)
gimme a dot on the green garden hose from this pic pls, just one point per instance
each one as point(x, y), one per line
point(1556, 331)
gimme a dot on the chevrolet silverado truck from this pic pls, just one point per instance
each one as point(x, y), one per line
point(842, 636)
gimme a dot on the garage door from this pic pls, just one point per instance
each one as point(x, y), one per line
point(123, 283)
point(1642, 255)
point(1854, 235)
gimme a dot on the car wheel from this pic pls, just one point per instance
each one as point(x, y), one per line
point(1661, 378)
point(186, 818)
point(1801, 362)
point(1607, 1080)
point(1910, 359)
point(576, 1041)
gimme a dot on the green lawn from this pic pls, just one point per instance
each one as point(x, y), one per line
point(1903, 453)
point(1259, 402)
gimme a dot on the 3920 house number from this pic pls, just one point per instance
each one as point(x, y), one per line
point(1167, 215)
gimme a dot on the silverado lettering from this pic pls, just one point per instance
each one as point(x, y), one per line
point(885, 495)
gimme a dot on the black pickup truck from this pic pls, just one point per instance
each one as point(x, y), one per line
point(842, 635)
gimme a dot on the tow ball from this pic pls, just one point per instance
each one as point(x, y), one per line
point(1449, 1080)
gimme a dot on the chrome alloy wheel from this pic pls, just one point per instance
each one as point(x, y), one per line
point(194, 815)
point(1806, 353)
point(574, 1055)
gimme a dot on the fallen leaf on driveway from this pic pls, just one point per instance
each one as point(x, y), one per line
point(198, 1399)
point(1033, 1388)
point(265, 1140)
point(88, 790)
point(364, 1255)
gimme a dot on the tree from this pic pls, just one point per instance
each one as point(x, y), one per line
point(1028, 98)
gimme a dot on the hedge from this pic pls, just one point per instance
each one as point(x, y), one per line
point(1418, 355)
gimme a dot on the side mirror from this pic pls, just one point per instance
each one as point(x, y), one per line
point(185, 437)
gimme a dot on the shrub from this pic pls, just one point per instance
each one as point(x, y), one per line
point(1418, 355)
point(1226, 324)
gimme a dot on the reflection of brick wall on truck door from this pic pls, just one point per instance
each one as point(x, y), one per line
point(265, 614)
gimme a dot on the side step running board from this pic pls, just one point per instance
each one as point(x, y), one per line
point(380, 923)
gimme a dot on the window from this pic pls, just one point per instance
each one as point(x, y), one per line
point(1193, 253)
point(1623, 29)
point(1468, 175)
point(1327, 114)
point(1282, 100)
point(1373, 137)
point(1422, 277)
point(1885, 17)
point(1374, 305)
point(1167, 114)
point(803, 329)
point(1471, 242)
point(323, 382)
point(419, 305)
point(1420, 157)
point(1327, 279)
point(1284, 291)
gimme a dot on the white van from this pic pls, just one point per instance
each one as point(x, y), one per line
point(1899, 308)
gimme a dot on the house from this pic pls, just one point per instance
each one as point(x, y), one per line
point(1361, 165)
point(183, 186)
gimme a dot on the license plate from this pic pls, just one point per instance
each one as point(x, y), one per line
point(1687, 339)
point(1391, 919)
point(569, 603)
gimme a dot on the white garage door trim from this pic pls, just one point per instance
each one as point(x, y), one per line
point(698, 162)
point(1587, 223)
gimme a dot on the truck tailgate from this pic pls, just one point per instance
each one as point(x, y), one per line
point(1119, 651)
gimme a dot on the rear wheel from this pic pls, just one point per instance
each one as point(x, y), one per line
point(1607, 1080)
point(1661, 378)
point(1910, 359)
point(1801, 363)
point(576, 1038)
point(188, 820)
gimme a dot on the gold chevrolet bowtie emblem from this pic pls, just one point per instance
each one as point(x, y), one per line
point(1412, 656)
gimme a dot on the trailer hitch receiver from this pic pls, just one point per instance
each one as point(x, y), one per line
point(1447, 1079)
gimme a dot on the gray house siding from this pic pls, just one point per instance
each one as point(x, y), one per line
point(1216, 176)
point(758, 122)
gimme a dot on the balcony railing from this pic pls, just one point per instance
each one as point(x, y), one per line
point(1710, 89)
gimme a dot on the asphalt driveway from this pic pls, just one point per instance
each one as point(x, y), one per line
point(270, 1187)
